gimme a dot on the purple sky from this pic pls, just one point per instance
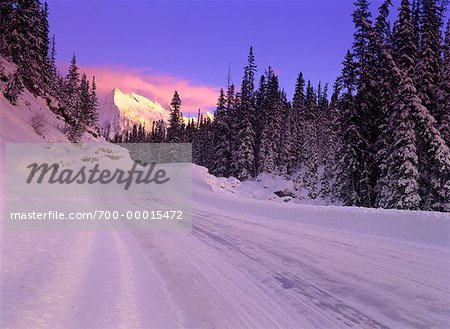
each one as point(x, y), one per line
point(197, 40)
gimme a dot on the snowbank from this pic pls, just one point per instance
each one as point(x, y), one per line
point(234, 197)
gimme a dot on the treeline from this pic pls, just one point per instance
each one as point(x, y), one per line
point(25, 41)
point(382, 140)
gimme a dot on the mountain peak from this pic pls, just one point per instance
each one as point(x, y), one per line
point(119, 111)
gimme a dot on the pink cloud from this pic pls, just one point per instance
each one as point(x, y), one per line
point(158, 87)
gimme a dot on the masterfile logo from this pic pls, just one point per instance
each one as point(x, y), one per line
point(54, 175)
point(98, 186)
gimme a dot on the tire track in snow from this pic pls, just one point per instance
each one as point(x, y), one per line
point(143, 300)
point(335, 254)
point(51, 301)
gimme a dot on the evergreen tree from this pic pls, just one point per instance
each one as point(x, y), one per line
point(174, 132)
point(222, 145)
point(310, 147)
point(14, 88)
point(348, 174)
point(403, 162)
point(285, 156)
point(92, 114)
point(23, 40)
point(6, 20)
point(244, 158)
point(362, 21)
point(332, 141)
point(270, 139)
point(45, 61)
point(444, 90)
point(405, 49)
point(382, 26)
point(429, 59)
point(298, 107)
point(71, 89)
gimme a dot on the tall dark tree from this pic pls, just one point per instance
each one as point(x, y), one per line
point(298, 107)
point(71, 89)
point(174, 131)
point(348, 168)
point(444, 92)
point(222, 140)
point(244, 158)
point(429, 59)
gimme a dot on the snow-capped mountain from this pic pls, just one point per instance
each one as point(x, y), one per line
point(119, 111)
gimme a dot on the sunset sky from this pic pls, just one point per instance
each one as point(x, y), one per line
point(153, 47)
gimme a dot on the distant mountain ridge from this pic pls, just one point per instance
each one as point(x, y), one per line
point(119, 111)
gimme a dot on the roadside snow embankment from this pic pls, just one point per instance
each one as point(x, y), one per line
point(256, 200)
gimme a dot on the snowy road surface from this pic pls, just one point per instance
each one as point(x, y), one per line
point(245, 264)
point(225, 273)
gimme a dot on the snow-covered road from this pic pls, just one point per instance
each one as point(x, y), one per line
point(244, 264)
point(227, 272)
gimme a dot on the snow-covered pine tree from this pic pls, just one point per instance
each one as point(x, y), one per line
point(270, 135)
point(382, 25)
point(80, 111)
point(444, 90)
point(366, 102)
point(92, 115)
point(174, 131)
point(6, 19)
point(362, 20)
point(286, 137)
point(415, 21)
point(244, 159)
point(429, 60)
point(261, 118)
point(190, 131)
point(14, 88)
point(55, 77)
point(222, 145)
point(404, 45)
point(348, 175)
point(332, 141)
point(323, 122)
point(402, 171)
point(71, 89)
point(298, 108)
point(23, 40)
point(310, 146)
point(44, 52)
point(390, 79)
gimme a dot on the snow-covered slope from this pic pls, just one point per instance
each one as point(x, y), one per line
point(120, 111)
point(30, 120)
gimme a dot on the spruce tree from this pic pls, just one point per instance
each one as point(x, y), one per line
point(429, 59)
point(174, 131)
point(310, 146)
point(403, 173)
point(270, 139)
point(298, 108)
point(327, 179)
point(14, 88)
point(92, 115)
point(222, 145)
point(348, 174)
point(71, 90)
point(244, 158)
point(405, 49)
point(444, 90)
